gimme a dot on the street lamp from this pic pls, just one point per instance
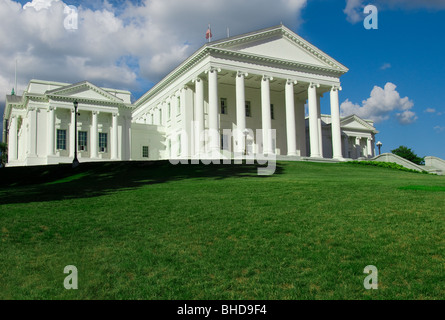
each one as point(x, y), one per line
point(379, 145)
point(75, 161)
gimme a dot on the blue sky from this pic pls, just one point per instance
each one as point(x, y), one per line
point(395, 72)
point(410, 44)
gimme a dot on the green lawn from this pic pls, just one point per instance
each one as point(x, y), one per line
point(157, 231)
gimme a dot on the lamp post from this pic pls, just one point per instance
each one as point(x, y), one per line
point(75, 161)
point(379, 145)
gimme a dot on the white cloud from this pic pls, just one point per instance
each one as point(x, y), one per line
point(39, 4)
point(439, 129)
point(385, 66)
point(380, 105)
point(433, 111)
point(125, 46)
point(406, 117)
point(354, 10)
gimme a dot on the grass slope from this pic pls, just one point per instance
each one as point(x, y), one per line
point(157, 231)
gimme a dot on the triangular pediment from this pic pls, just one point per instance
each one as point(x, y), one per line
point(281, 44)
point(354, 122)
point(83, 91)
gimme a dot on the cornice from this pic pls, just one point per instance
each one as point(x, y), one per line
point(278, 62)
point(85, 84)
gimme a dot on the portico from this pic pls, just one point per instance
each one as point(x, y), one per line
point(257, 81)
point(286, 105)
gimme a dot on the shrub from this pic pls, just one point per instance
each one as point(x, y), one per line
point(389, 165)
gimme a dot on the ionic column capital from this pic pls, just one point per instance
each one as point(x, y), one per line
point(336, 88)
point(313, 85)
point(241, 74)
point(213, 69)
point(290, 81)
point(266, 77)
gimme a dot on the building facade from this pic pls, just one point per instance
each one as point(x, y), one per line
point(255, 93)
point(39, 126)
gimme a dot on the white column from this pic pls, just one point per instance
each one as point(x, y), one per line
point(213, 111)
point(357, 147)
point(114, 137)
point(346, 146)
point(12, 139)
point(265, 113)
point(240, 111)
point(51, 131)
point(300, 115)
point(94, 130)
point(290, 119)
point(199, 106)
point(369, 147)
point(32, 135)
point(335, 125)
point(72, 133)
point(313, 121)
point(320, 128)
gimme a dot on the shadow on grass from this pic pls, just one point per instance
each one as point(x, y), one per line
point(61, 182)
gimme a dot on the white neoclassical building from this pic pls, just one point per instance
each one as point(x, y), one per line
point(244, 94)
point(39, 126)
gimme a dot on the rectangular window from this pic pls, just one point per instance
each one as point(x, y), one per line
point(223, 106)
point(103, 142)
point(145, 153)
point(61, 139)
point(272, 116)
point(179, 145)
point(160, 117)
point(82, 140)
point(248, 111)
point(169, 111)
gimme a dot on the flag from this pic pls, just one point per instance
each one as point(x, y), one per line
point(209, 34)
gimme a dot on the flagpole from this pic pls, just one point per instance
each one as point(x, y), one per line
point(16, 76)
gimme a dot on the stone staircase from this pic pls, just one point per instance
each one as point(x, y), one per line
point(432, 164)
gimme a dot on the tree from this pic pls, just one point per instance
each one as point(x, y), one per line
point(4, 154)
point(408, 154)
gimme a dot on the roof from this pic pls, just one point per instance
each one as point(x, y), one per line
point(13, 99)
point(223, 47)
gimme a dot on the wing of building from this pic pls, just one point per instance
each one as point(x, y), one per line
point(244, 94)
